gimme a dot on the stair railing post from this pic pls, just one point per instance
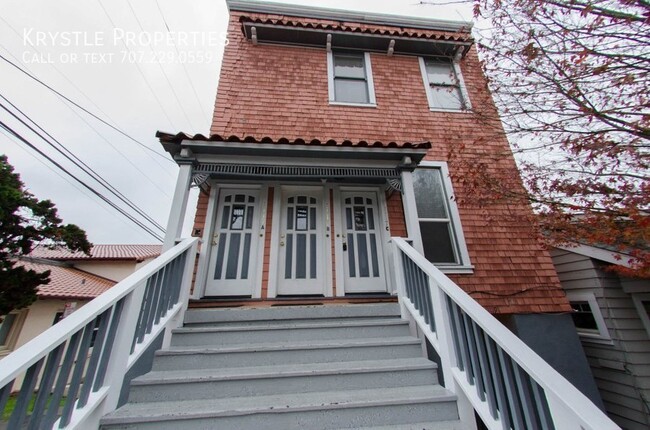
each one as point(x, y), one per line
point(122, 347)
point(447, 351)
point(400, 279)
point(184, 296)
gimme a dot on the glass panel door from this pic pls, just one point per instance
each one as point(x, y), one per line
point(234, 244)
point(362, 244)
point(300, 271)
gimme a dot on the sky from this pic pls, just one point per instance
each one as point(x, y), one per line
point(138, 65)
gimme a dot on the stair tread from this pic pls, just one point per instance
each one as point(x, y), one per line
point(291, 345)
point(434, 425)
point(291, 312)
point(206, 408)
point(333, 323)
point(286, 370)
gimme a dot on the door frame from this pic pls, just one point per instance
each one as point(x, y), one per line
point(272, 290)
point(206, 240)
point(382, 214)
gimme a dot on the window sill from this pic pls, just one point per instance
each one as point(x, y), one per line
point(456, 270)
point(366, 105)
point(594, 338)
point(434, 109)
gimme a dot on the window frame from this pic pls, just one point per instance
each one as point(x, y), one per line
point(638, 300)
point(464, 265)
point(602, 333)
point(370, 85)
point(465, 102)
point(14, 332)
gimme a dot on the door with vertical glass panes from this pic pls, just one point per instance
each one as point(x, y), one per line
point(362, 245)
point(301, 269)
point(234, 244)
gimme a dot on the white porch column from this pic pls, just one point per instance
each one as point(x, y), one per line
point(410, 210)
point(179, 202)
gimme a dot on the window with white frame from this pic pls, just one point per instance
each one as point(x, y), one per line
point(444, 84)
point(442, 237)
point(587, 316)
point(350, 78)
point(9, 330)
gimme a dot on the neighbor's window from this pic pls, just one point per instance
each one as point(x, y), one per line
point(583, 317)
point(442, 237)
point(586, 315)
point(9, 329)
point(444, 86)
point(350, 78)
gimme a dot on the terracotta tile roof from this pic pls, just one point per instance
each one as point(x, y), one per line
point(177, 138)
point(68, 283)
point(381, 30)
point(101, 252)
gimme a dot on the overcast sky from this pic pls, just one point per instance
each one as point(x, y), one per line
point(140, 65)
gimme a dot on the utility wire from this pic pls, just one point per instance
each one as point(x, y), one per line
point(191, 82)
point(83, 108)
point(146, 81)
point(60, 175)
point(178, 101)
point(101, 136)
point(91, 189)
point(78, 162)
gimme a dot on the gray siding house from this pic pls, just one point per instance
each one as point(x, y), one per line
point(611, 314)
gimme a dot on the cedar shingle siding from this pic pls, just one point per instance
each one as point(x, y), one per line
point(282, 91)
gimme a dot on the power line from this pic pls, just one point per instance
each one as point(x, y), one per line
point(180, 105)
point(196, 95)
point(91, 189)
point(83, 108)
point(101, 136)
point(72, 184)
point(146, 81)
point(79, 163)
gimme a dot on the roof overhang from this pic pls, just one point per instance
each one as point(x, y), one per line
point(347, 15)
point(293, 160)
point(217, 146)
point(367, 42)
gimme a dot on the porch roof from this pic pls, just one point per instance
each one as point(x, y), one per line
point(283, 147)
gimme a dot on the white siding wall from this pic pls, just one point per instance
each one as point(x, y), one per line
point(621, 366)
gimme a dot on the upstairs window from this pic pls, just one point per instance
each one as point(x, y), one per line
point(444, 85)
point(442, 236)
point(350, 78)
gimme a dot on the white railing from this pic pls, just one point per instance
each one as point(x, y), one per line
point(506, 383)
point(74, 371)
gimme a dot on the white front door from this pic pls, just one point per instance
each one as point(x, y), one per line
point(363, 258)
point(233, 257)
point(301, 250)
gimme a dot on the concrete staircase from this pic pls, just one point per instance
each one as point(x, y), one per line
point(306, 367)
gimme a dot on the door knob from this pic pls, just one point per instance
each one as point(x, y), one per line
point(281, 243)
point(345, 246)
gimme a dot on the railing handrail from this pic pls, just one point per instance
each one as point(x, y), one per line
point(28, 354)
point(538, 369)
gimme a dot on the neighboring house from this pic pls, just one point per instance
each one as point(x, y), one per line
point(114, 262)
point(75, 279)
point(612, 317)
point(68, 290)
point(332, 133)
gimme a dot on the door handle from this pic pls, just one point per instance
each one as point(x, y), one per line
point(281, 243)
point(214, 239)
point(345, 246)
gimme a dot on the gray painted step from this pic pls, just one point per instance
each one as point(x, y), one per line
point(330, 329)
point(269, 315)
point(282, 379)
point(436, 425)
point(333, 350)
point(315, 411)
